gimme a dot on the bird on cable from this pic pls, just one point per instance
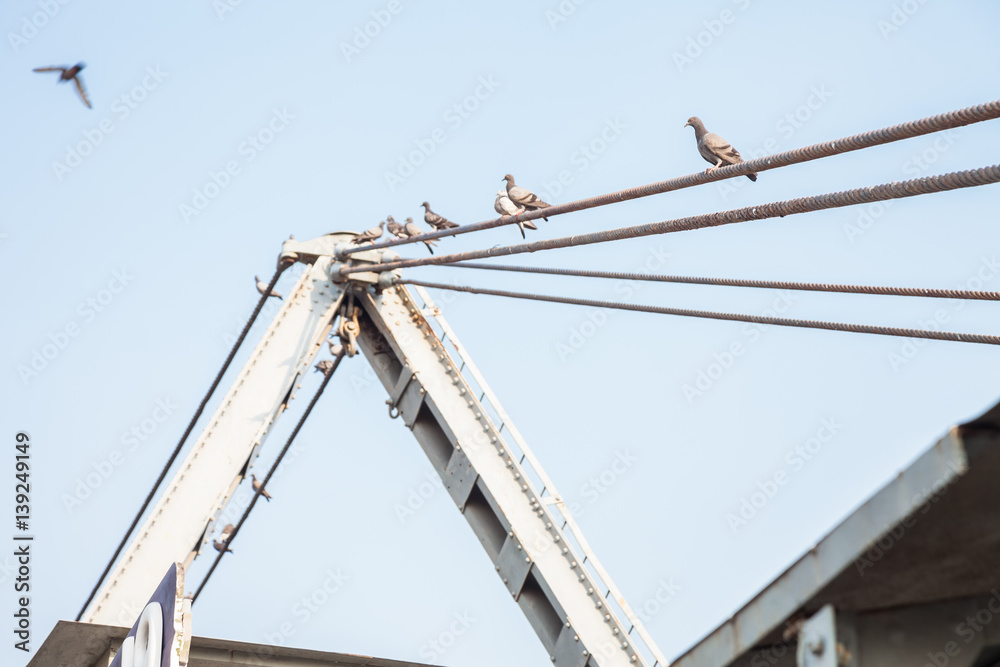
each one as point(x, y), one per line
point(369, 234)
point(335, 348)
point(714, 148)
point(394, 228)
point(411, 229)
point(324, 367)
point(504, 206)
point(523, 197)
point(438, 222)
point(256, 487)
point(262, 288)
point(222, 544)
point(69, 74)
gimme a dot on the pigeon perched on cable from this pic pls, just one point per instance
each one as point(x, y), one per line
point(369, 234)
point(262, 288)
point(714, 148)
point(222, 544)
point(395, 228)
point(504, 206)
point(336, 349)
point(256, 487)
point(325, 367)
point(438, 222)
point(69, 74)
point(524, 197)
point(411, 229)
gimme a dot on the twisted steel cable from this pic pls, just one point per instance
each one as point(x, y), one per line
point(896, 190)
point(908, 130)
point(274, 466)
point(737, 282)
point(735, 317)
point(190, 427)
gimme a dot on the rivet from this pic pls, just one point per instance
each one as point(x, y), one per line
point(527, 560)
point(576, 638)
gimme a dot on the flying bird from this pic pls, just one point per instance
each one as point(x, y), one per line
point(411, 229)
point(395, 228)
point(256, 487)
point(222, 544)
point(524, 197)
point(714, 148)
point(369, 234)
point(69, 74)
point(438, 222)
point(504, 206)
point(262, 288)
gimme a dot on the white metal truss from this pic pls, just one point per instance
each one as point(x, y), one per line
point(179, 522)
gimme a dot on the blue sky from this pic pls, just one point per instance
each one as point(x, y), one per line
point(438, 106)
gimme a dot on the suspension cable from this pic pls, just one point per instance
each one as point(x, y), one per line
point(908, 130)
point(197, 414)
point(756, 319)
point(270, 472)
point(867, 195)
point(735, 282)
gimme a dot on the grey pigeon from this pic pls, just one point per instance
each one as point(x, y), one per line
point(504, 206)
point(262, 286)
point(524, 197)
point(69, 74)
point(411, 229)
point(222, 544)
point(438, 222)
point(324, 367)
point(369, 234)
point(395, 228)
point(256, 487)
point(714, 148)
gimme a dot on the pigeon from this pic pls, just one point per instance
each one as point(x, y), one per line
point(436, 221)
point(369, 234)
point(411, 229)
point(222, 545)
point(395, 228)
point(335, 348)
point(324, 367)
point(261, 286)
point(69, 74)
point(714, 148)
point(256, 487)
point(504, 206)
point(523, 197)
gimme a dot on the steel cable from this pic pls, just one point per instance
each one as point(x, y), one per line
point(756, 319)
